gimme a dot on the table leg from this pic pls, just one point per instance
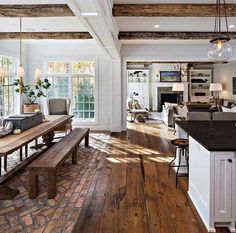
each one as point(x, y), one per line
point(48, 138)
point(21, 154)
point(5, 163)
point(26, 150)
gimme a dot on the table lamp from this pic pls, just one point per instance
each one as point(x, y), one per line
point(178, 87)
point(216, 88)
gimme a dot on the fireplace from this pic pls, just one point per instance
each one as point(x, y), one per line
point(165, 94)
point(169, 97)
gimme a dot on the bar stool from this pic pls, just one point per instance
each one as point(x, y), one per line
point(181, 145)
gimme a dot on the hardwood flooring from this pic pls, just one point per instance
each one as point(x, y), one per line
point(119, 185)
point(131, 191)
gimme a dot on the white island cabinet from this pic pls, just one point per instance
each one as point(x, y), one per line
point(212, 185)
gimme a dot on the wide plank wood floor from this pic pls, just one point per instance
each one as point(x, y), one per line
point(119, 185)
point(131, 191)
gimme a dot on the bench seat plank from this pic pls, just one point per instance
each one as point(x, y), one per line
point(56, 154)
point(52, 159)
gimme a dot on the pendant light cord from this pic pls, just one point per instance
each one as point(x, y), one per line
point(218, 23)
point(226, 20)
point(21, 42)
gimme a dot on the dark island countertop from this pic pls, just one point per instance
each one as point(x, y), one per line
point(213, 135)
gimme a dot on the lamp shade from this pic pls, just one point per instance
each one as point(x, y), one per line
point(178, 87)
point(216, 87)
point(21, 71)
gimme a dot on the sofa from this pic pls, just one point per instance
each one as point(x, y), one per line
point(172, 112)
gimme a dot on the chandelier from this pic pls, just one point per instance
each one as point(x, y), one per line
point(20, 71)
point(220, 49)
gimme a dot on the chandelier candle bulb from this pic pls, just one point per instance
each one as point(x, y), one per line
point(38, 75)
point(21, 71)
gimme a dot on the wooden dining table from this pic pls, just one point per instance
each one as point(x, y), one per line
point(12, 143)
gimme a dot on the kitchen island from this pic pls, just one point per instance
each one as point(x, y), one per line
point(212, 171)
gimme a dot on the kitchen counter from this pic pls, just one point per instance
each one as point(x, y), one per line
point(212, 170)
point(213, 135)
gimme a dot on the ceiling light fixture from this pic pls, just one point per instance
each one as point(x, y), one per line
point(220, 49)
point(156, 26)
point(20, 71)
point(231, 26)
point(89, 14)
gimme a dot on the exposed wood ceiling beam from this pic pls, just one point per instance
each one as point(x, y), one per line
point(169, 10)
point(46, 35)
point(49, 10)
point(147, 63)
point(169, 35)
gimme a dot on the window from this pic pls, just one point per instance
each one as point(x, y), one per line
point(58, 74)
point(77, 81)
point(7, 102)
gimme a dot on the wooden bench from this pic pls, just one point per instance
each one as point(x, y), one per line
point(53, 159)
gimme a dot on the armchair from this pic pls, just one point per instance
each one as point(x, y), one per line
point(136, 111)
point(60, 106)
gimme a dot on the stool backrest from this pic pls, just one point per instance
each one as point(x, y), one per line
point(224, 116)
point(198, 116)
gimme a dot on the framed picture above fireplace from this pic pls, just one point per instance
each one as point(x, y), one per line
point(170, 76)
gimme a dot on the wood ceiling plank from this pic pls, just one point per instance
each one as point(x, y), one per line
point(49, 10)
point(146, 64)
point(170, 10)
point(169, 35)
point(46, 35)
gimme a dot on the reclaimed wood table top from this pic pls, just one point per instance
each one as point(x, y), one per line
point(11, 143)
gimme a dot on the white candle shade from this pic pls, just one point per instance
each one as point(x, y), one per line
point(3, 72)
point(216, 87)
point(38, 74)
point(21, 71)
point(178, 87)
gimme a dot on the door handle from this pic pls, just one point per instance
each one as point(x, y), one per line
point(230, 160)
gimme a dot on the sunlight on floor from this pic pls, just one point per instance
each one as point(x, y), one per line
point(137, 159)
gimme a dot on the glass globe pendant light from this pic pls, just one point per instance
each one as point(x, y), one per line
point(220, 49)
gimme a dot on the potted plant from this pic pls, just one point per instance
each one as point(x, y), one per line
point(32, 93)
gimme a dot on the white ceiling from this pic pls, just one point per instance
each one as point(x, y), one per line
point(39, 24)
point(169, 24)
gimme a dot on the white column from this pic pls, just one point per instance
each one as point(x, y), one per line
point(116, 113)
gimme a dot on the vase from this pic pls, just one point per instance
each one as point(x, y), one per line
point(30, 108)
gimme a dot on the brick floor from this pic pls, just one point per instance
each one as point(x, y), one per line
point(52, 215)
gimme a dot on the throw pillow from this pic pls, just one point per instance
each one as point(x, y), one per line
point(167, 104)
point(137, 106)
point(224, 109)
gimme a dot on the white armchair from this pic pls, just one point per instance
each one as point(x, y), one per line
point(167, 115)
point(60, 106)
